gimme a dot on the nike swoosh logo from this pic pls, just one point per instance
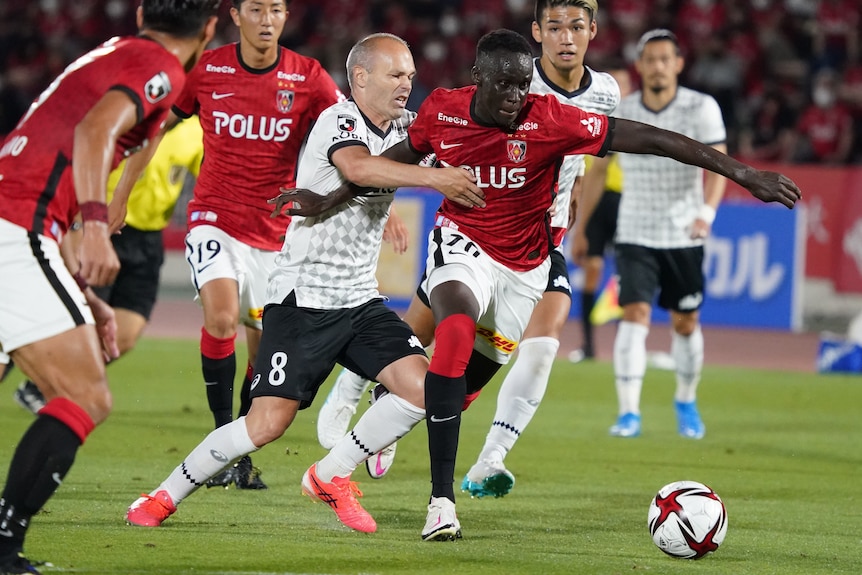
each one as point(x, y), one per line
point(445, 146)
point(56, 477)
point(201, 269)
point(217, 96)
point(5, 533)
point(380, 470)
point(435, 419)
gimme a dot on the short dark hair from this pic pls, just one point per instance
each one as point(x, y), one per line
point(181, 18)
point(655, 35)
point(591, 6)
point(502, 40)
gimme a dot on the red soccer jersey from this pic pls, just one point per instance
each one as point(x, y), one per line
point(517, 170)
point(254, 123)
point(36, 187)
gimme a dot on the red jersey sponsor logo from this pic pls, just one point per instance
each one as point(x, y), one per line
point(593, 125)
point(516, 150)
point(251, 127)
point(284, 100)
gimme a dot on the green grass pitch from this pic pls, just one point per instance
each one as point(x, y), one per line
point(784, 451)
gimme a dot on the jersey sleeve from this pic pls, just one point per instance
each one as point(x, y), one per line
point(583, 132)
point(151, 85)
point(711, 127)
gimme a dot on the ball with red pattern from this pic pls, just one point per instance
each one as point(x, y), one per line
point(687, 519)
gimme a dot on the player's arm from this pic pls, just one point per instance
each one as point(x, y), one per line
point(637, 138)
point(592, 188)
point(713, 190)
point(358, 165)
point(94, 144)
point(390, 170)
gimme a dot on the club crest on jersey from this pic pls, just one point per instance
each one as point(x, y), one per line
point(157, 87)
point(346, 123)
point(516, 150)
point(284, 100)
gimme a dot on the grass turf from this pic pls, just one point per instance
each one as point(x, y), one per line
point(782, 449)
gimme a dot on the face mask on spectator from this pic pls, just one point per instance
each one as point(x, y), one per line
point(823, 97)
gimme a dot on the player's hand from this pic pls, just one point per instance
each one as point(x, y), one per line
point(302, 202)
point(459, 186)
point(580, 246)
point(99, 262)
point(774, 187)
point(116, 216)
point(699, 229)
point(396, 233)
point(106, 324)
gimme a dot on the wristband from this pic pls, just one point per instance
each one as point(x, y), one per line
point(94, 211)
point(79, 279)
point(706, 213)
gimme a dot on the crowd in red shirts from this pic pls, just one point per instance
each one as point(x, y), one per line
point(787, 73)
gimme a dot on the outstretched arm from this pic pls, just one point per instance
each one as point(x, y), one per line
point(638, 138)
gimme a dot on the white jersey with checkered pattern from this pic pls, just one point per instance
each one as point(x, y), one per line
point(329, 261)
point(661, 197)
point(601, 95)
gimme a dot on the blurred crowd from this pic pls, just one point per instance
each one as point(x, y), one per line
point(787, 73)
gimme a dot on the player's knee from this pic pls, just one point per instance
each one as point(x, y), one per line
point(267, 425)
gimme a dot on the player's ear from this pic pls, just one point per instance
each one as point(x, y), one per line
point(139, 17)
point(475, 73)
point(594, 28)
point(537, 32)
point(210, 30)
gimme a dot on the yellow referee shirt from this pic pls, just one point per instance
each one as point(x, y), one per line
point(155, 194)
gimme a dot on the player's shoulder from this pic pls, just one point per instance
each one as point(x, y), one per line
point(290, 60)
point(692, 97)
point(603, 86)
point(451, 94)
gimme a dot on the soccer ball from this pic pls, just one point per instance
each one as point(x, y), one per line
point(687, 519)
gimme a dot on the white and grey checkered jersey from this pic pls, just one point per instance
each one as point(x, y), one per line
point(601, 95)
point(661, 197)
point(330, 260)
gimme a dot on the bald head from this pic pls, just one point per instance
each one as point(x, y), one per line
point(365, 53)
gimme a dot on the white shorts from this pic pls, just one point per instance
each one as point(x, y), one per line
point(39, 298)
point(506, 297)
point(213, 254)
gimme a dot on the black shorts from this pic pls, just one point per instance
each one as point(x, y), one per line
point(141, 255)
point(603, 224)
point(558, 276)
point(300, 346)
point(677, 274)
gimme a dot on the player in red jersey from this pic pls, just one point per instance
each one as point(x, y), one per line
point(488, 267)
point(256, 101)
point(55, 163)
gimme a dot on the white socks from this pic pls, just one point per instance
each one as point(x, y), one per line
point(388, 420)
point(520, 395)
point(630, 363)
point(688, 354)
point(218, 449)
point(351, 386)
